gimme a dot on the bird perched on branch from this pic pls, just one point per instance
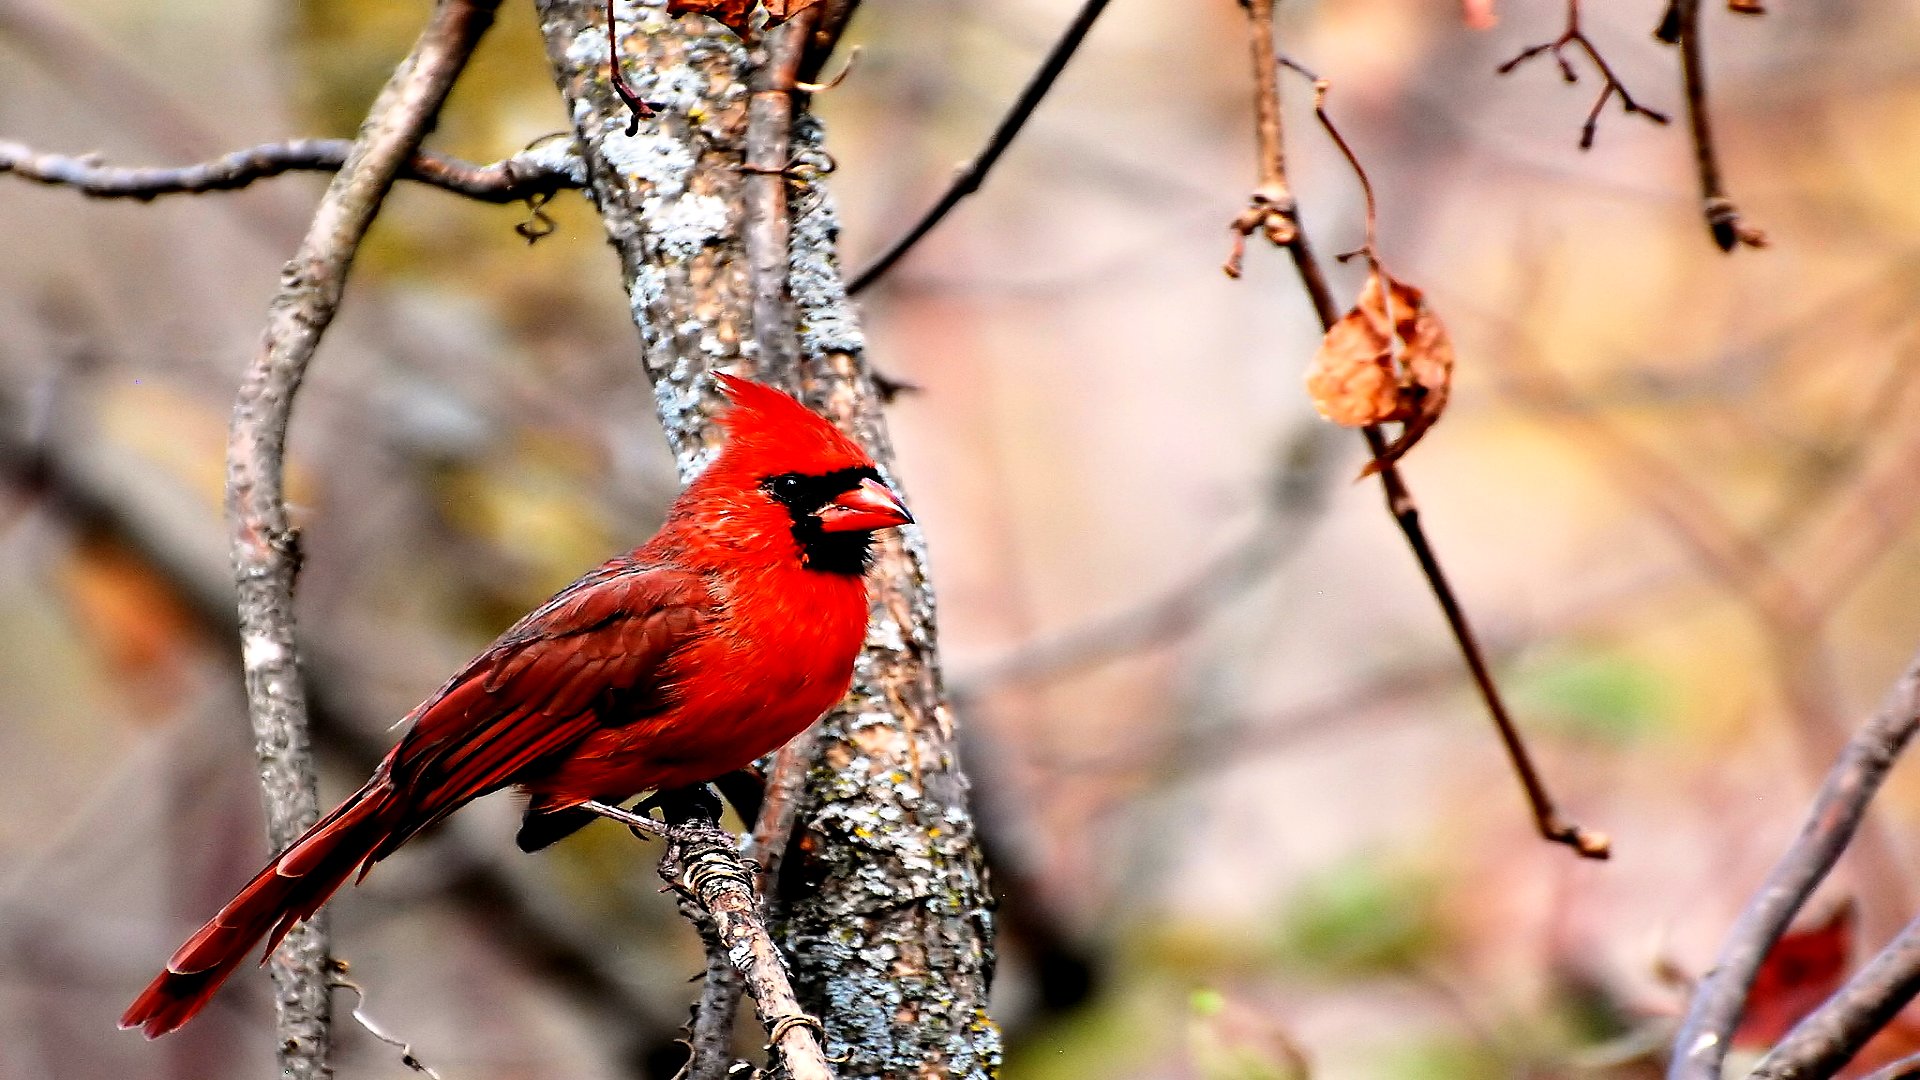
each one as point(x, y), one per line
point(713, 643)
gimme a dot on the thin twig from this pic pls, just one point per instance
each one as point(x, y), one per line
point(265, 546)
point(523, 176)
point(367, 1024)
point(1399, 499)
point(1681, 26)
point(1610, 84)
point(637, 107)
point(974, 173)
point(1720, 996)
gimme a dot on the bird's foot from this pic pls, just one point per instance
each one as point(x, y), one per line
point(681, 806)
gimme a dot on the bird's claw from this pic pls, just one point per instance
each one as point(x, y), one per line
point(679, 806)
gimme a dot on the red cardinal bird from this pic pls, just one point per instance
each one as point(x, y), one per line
point(718, 640)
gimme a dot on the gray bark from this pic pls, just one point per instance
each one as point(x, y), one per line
point(265, 545)
point(890, 940)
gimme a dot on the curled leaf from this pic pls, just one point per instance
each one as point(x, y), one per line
point(735, 15)
point(779, 11)
point(1388, 360)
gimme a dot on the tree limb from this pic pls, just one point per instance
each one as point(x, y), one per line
point(715, 886)
point(1720, 997)
point(265, 545)
point(974, 173)
point(526, 175)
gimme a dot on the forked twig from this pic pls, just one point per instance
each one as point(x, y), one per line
point(1610, 85)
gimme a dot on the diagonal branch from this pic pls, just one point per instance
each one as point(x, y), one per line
point(1399, 499)
point(265, 545)
point(526, 175)
point(1720, 997)
point(974, 173)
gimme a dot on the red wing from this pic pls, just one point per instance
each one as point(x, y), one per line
point(591, 656)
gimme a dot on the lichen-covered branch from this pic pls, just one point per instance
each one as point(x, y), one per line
point(543, 170)
point(888, 932)
point(265, 546)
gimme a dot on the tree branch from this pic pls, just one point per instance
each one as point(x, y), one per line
point(265, 546)
point(1720, 997)
point(529, 174)
point(1681, 26)
point(974, 173)
point(1399, 499)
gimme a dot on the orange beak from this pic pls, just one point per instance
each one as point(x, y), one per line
point(866, 508)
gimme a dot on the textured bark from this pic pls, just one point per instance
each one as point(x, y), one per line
point(889, 935)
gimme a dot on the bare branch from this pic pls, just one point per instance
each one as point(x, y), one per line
point(1720, 997)
point(526, 175)
point(1610, 84)
point(1681, 26)
point(1400, 501)
point(974, 173)
point(265, 546)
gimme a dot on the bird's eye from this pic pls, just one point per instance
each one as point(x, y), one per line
point(785, 486)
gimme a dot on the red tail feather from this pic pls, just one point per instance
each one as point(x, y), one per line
point(290, 888)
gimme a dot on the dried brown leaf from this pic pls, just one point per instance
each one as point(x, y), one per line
point(735, 15)
point(779, 11)
point(1388, 360)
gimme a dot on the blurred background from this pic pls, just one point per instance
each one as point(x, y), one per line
point(1244, 813)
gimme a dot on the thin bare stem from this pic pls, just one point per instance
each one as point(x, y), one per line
point(526, 175)
point(974, 173)
point(1399, 499)
point(1681, 26)
point(1610, 85)
point(265, 545)
point(637, 107)
point(1720, 997)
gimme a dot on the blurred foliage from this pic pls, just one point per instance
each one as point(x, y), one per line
point(1364, 916)
point(1603, 695)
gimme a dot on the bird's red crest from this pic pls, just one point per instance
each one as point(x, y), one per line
point(768, 425)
